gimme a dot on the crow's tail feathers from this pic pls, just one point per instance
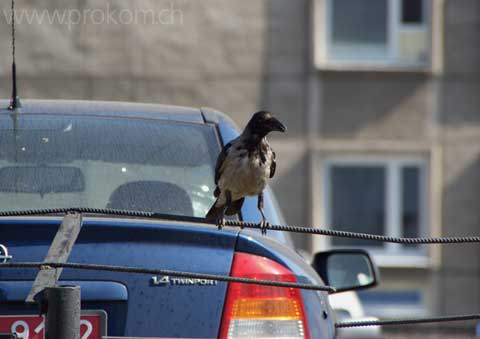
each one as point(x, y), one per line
point(216, 211)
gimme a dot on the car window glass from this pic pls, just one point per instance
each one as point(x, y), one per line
point(131, 164)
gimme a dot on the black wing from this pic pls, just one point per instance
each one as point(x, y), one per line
point(273, 166)
point(220, 160)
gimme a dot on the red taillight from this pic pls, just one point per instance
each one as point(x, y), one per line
point(257, 311)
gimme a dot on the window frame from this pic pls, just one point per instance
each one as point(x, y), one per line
point(391, 254)
point(323, 25)
point(393, 308)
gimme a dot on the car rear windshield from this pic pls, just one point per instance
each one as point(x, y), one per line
point(152, 165)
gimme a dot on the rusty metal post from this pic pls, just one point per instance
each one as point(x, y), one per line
point(63, 312)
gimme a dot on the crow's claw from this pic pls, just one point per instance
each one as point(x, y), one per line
point(221, 223)
point(264, 225)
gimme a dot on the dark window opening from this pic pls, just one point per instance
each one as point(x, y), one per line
point(411, 196)
point(412, 11)
point(358, 202)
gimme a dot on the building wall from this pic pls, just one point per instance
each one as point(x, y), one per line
point(386, 112)
point(369, 105)
point(459, 119)
point(383, 115)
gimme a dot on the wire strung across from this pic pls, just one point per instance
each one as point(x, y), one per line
point(243, 224)
point(411, 321)
point(191, 275)
point(125, 269)
point(360, 236)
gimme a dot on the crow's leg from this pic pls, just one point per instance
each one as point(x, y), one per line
point(264, 224)
point(221, 217)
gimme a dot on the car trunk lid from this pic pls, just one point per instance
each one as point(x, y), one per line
point(159, 306)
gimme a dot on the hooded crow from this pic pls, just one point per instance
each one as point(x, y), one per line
point(243, 169)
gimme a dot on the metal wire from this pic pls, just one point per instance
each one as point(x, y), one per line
point(346, 324)
point(296, 229)
point(413, 321)
point(242, 224)
point(136, 270)
point(359, 236)
point(88, 210)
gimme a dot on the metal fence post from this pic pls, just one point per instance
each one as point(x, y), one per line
point(63, 312)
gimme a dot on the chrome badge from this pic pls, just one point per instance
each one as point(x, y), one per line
point(166, 280)
point(4, 257)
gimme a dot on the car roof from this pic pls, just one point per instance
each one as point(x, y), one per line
point(106, 108)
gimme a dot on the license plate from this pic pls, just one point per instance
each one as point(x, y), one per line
point(93, 325)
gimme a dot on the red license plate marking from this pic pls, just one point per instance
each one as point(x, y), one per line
point(33, 326)
point(26, 327)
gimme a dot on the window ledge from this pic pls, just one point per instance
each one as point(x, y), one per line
point(362, 67)
point(401, 261)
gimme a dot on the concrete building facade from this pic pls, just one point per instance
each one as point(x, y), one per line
point(384, 126)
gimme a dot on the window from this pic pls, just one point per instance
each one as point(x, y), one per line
point(151, 165)
point(373, 32)
point(377, 196)
point(358, 27)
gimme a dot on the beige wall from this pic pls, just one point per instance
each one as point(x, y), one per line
point(390, 112)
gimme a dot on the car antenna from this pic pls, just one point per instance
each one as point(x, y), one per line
point(15, 104)
point(15, 99)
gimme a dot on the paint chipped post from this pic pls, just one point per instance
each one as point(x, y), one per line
point(63, 312)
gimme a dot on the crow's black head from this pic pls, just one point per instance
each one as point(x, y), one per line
point(264, 122)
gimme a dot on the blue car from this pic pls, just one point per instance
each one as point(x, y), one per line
point(161, 159)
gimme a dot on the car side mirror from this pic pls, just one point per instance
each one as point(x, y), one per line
point(346, 270)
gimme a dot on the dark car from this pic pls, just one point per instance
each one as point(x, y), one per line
point(150, 158)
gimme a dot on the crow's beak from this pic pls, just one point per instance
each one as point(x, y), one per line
point(276, 125)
